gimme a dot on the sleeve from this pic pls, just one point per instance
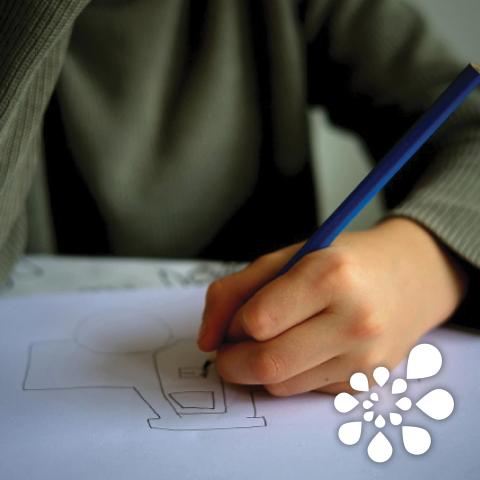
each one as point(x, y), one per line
point(376, 68)
point(34, 37)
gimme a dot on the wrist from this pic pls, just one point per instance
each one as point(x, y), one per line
point(441, 281)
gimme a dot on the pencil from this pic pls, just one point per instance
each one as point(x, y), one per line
point(206, 366)
point(393, 161)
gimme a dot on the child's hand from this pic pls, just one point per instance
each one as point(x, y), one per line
point(361, 303)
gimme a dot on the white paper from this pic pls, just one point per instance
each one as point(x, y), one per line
point(53, 273)
point(110, 385)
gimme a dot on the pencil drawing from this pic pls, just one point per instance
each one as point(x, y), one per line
point(201, 274)
point(165, 372)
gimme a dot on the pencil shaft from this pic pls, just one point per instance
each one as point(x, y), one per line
point(395, 159)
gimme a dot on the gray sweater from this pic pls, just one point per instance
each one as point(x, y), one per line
point(182, 123)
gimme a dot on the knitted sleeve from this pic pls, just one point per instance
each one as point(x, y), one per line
point(34, 36)
point(376, 67)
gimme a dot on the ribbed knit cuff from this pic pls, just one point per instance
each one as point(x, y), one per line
point(448, 206)
point(455, 226)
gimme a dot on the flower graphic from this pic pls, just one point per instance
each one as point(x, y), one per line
point(424, 361)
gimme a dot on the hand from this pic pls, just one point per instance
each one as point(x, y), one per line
point(359, 304)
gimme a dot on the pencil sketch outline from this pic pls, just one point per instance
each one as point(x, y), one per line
point(173, 396)
point(224, 414)
point(201, 274)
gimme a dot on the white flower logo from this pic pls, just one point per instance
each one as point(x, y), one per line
point(424, 361)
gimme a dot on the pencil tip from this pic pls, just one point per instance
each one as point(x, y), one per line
point(476, 66)
point(205, 367)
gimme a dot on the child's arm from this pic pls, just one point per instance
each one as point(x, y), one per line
point(34, 37)
point(359, 304)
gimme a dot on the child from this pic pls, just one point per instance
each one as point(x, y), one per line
point(178, 129)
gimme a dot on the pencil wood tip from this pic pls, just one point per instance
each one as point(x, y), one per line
point(476, 66)
point(206, 366)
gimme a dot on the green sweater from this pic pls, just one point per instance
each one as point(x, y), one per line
point(182, 123)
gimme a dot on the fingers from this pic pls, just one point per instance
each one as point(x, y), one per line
point(338, 387)
point(332, 372)
point(307, 345)
point(321, 280)
point(333, 376)
point(306, 327)
point(227, 294)
point(297, 295)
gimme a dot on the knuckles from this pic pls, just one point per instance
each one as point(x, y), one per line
point(337, 268)
point(346, 280)
point(266, 367)
point(215, 290)
point(344, 272)
point(257, 321)
point(364, 326)
point(223, 290)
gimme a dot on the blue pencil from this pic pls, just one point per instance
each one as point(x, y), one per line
point(395, 159)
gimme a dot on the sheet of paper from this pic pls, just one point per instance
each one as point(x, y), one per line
point(110, 385)
point(54, 273)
